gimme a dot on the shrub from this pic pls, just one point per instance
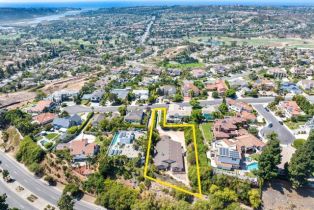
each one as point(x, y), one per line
point(297, 143)
point(72, 130)
point(29, 152)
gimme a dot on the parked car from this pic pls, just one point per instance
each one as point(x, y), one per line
point(270, 125)
point(280, 122)
point(266, 109)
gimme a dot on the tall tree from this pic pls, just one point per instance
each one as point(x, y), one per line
point(301, 165)
point(223, 108)
point(270, 158)
point(3, 204)
point(66, 202)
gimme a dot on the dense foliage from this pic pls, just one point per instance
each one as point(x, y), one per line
point(301, 166)
point(30, 154)
point(270, 158)
point(117, 196)
point(19, 119)
point(304, 104)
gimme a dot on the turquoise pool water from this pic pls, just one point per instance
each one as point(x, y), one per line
point(114, 140)
point(252, 166)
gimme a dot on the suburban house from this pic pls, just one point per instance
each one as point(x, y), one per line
point(198, 73)
point(167, 90)
point(80, 150)
point(219, 86)
point(248, 116)
point(189, 89)
point(229, 127)
point(122, 144)
point(238, 83)
point(63, 95)
point(174, 72)
point(177, 113)
point(238, 106)
point(220, 69)
point(135, 116)
point(96, 96)
point(169, 155)
point(121, 93)
point(290, 108)
point(225, 155)
point(135, 71)
point(248, 144)
point(42, 106)
point(277, 72)
point(44, 118)
point(141, 94)
point(297, 71)
point(67, 122)
point(229, 153)
point(146, 81)
point(290, 87)
point(306, 84)
point(264, 84)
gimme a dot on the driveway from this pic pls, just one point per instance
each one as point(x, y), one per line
point(284, 135)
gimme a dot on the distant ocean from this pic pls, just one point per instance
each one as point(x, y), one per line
point(109, 4)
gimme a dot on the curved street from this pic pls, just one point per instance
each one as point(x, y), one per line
point(35, 185)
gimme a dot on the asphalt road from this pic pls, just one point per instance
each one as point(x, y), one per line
point(79, 108)
point(35, 185)
point(13, 199)
point(284, 135)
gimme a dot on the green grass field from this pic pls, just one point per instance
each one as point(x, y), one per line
point(185, 66)
point(207, 130)
point(270, 42)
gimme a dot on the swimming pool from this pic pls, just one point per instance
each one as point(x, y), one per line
point(252, 166)
point(115, 138)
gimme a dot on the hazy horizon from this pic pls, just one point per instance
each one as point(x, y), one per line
point(122, 3)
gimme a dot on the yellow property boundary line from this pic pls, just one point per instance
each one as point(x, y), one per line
point(167, 184)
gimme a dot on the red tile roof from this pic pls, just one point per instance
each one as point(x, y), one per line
point(82, 147)
point(44, 118)
point(41, 105)
point(291, 106)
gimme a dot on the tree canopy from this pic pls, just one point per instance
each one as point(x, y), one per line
point(270, 158)
point(301, 165)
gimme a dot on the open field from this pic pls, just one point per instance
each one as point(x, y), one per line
point(270, 42)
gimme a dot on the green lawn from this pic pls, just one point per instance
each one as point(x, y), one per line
point(52, 135)
point(257, 41)
point(294, 125)
point(207, 130)
point(185, 66)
